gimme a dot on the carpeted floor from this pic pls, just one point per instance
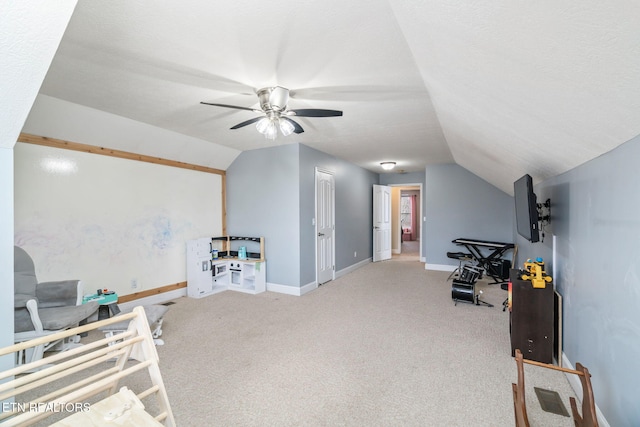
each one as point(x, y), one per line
point(382, 346)
point(409, 251)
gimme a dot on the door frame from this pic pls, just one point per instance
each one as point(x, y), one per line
point(422, 215)
point(333, 225)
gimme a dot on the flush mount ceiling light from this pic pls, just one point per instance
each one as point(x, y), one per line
point(388, 165)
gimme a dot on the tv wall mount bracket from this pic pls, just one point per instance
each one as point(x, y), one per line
point(544, 211)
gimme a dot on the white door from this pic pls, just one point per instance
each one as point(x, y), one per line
point(324, 226)
point(381, 222)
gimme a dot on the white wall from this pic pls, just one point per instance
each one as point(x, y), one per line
point(56, 118)
point(110, 221)
point(30, 33)
point(6, 252)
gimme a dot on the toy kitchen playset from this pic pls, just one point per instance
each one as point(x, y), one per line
point(216, 264)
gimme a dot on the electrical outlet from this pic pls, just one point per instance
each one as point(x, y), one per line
point(355, 254)
point(134, 283)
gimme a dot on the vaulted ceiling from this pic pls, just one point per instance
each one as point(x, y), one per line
point(501, 88)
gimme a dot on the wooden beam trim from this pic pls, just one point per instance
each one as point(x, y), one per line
point(224, 205)
point(76, 146)
point(156, 291)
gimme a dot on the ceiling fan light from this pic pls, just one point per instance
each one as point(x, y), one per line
point(286, 127)
point(272, 131)
point(263, 125)
point(388, 165)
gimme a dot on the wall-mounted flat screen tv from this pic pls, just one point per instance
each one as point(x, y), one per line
point(526, 209)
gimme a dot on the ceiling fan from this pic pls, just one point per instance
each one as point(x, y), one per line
point(273, 104)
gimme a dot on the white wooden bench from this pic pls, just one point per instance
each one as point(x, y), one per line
point(87, 382)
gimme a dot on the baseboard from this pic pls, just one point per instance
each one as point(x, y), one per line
point(154, 299)
point(283, 289)
point(150, 292)
point(575, 384)
point(305, 289)
point(353, 267)
point(440, 267)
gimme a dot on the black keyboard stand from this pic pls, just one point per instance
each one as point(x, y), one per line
point(488, 255)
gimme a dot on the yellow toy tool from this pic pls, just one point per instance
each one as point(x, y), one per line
point(537, 275)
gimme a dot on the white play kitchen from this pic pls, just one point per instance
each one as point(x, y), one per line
point(216, 264)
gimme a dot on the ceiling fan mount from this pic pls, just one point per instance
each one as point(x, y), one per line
point(273, 99)
point(273, 104)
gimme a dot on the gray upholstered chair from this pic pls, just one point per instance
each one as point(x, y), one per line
point(41, 309)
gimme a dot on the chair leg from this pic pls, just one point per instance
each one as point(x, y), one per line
point(156, 332)
point(589, 417)
point(519, 401)
point(517, 412)
point(34, 353)
point(577, 419)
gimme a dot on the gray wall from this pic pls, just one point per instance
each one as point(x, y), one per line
point(271, 193)
point(401, 178)
point(353, 210)
point(595, 220)
point(263, 199)
point(460, 204)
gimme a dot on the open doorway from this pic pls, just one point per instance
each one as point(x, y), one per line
point(406, 221)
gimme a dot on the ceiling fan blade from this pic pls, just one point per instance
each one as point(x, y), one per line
point(232, 106)
point(359, 93)
point(314, 112)
point(296, 127)
point(246, 122)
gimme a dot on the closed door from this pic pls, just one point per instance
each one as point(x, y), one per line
point(324, 227)
point(381, 222)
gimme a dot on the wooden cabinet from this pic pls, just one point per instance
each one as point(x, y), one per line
point(207, 275)
point(531, 319)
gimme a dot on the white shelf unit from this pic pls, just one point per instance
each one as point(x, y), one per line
point(207, 276)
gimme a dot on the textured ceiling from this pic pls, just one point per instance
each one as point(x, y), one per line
point(502, 88)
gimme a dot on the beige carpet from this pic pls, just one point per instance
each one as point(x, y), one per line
point(382, 346)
